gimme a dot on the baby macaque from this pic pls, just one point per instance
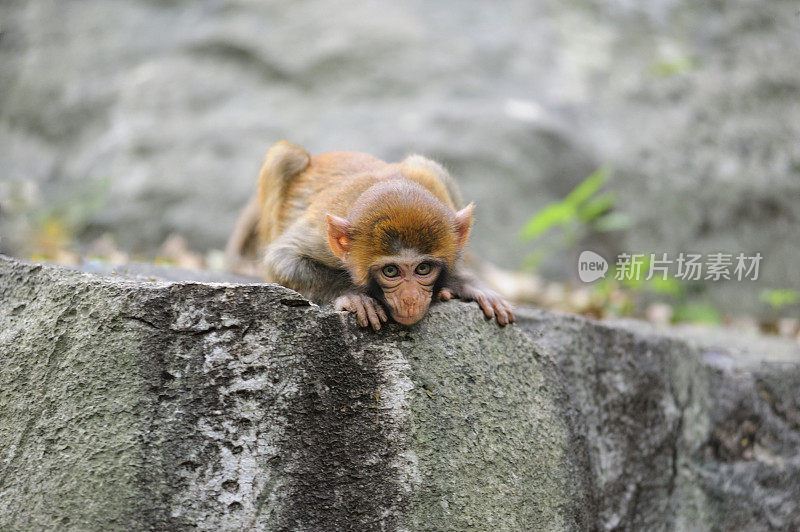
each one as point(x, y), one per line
point(379, 240)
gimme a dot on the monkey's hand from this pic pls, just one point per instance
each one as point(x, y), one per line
point(367, 310)
point(491, 303)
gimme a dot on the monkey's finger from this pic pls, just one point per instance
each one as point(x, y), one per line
point(501, 314)
point(372, 315)
point(445, 294)
point(381, 313)
point(503, 311)
point(361, 312)
point(508, 308)
point(486, 306)
point(510, 312)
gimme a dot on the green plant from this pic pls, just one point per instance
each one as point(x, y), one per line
point(778, 299)
point(582, 206)
point(55, 225)
point(697, 313)
point(671, 290)
point(584, 210)
point(673, 67)
point(588, 209)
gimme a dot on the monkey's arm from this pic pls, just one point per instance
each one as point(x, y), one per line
point(463, 284)
point(289, 265)
point(286, 263)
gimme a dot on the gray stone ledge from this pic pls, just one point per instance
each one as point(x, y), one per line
point(143, 404)
point(138, 404)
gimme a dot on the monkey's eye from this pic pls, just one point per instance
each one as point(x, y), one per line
point(424, 268)
point(390, 270)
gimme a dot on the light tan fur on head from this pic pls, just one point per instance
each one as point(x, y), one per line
point(394, 216)
point(434, 177)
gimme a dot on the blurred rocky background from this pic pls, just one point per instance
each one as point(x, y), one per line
point(140, 126)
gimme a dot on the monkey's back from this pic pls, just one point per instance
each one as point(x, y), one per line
point(331, 183)
point(297, 190)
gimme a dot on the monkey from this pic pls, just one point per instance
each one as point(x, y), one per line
point(379, 240)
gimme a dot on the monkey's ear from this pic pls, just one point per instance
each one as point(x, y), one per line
point(338, 235)
point(463, 224)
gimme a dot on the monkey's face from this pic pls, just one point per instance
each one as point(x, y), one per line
point(407, 285)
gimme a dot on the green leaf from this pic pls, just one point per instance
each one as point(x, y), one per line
point(635, 284)
point(780, 298)
point(677, 66)
point(669, 286)
point(587, 188)
point(697, 313)
point(613, 221)
point(597, 206)
point(553, 215)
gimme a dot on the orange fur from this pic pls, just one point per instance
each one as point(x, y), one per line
point(329, 226)
point(399, 214)
point(403, 199)
point(282, 163)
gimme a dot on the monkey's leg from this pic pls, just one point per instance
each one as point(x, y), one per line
point(468, 289)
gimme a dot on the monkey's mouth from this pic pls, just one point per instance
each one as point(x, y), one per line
point(409, 317)
point(407, 320)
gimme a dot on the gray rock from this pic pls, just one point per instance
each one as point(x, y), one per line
point(133, 117)
point(137, 403)
point(134, 404)
point(152, 272)
point(687, 429)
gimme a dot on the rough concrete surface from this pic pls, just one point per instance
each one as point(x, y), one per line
point(687, 429)
point(137, 403)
